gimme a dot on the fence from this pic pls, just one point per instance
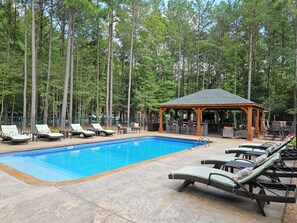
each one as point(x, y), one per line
point(55, 122)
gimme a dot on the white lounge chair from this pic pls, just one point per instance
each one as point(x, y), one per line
point(43, 131)
point(78, 130)
point(11, 133)
point(97, 128)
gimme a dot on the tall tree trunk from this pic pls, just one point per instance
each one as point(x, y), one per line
point(198, 42)
point(71, 14)
point(63, 25)
point(250, 65)
point(295, 85)
point(25, 70)
point(107, 83)
point(179, 70)
point(98, 73)
point(46, 104)
point(8, 48)
point(33, 94)
point(130, 68)
point(15, 26)
point(12, 109)
point(107, 100)
point(182, 87)
point(40, 28)
point(111, 76)
point(71, 78)
point(9, 15)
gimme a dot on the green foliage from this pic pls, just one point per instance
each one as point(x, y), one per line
point(203, 45)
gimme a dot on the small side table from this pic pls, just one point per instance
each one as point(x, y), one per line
point(28, 134)
point(238, 165)
point(66, 133)
point(127, 130)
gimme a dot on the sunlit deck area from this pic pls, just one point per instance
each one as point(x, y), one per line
point(142, 193)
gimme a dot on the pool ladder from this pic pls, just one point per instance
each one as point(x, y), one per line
point(204, 139)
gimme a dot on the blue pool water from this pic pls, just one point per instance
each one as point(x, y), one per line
point(78, 161)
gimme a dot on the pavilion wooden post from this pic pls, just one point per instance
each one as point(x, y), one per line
point(249, 123)
point(198, 114)
point(257, 123)
point(161, 119)
point(262, 128)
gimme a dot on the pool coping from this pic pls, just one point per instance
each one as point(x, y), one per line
point(28, 179)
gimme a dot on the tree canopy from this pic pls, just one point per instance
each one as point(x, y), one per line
point(84, 50)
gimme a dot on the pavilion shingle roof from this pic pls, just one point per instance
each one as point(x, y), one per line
point(209, 97)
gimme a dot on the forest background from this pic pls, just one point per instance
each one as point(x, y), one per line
point(67, 60)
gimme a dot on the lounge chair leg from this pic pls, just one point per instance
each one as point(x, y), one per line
point(185, 184)
point(261, 207)
point(261, 204)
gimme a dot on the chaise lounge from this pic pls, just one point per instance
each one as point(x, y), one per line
point(97, 128)
point(43, 131)
point(231, 163)
point(245, 183)
point(78, 130)
point(248, 153)
point(259, 151)
point(11, 133)
point(265, 145)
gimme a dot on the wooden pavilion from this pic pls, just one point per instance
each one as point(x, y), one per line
point(217, 99)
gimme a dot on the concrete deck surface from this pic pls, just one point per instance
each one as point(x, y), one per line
point(139, 194)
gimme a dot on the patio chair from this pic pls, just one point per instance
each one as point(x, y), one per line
point(78, 130)
point(180, 129)
point(190, 128)
point(170, 127)
point(135, 127)
point(11, 133)
point(43, 131)
point(97, 128)
point(121, 129)
point(228, 132)
point(246, 183)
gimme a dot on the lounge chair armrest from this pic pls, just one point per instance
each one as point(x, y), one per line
point(246, 160)
point(230, 178)
point(25, 133)
point(222, 175)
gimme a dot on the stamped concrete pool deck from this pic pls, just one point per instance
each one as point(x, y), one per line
point(142, 193)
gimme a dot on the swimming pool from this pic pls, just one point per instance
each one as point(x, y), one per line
point(79, 161)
